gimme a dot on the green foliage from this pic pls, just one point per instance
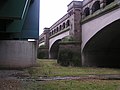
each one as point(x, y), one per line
point(69, 42)
point(68, 38)
point(42, 53)
point(42, 46)
point(69, 58)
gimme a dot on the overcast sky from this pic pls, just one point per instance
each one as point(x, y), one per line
point(51, 11)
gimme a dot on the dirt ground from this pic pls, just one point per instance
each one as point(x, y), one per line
point(16, 79)
point(8, 81)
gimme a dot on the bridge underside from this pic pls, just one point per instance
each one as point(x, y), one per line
point(54, 49)
point(103, 50)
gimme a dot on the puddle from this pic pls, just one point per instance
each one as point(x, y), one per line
point(83, 77)
point(20, 75)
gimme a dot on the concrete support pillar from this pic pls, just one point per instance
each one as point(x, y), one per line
point(17, 54)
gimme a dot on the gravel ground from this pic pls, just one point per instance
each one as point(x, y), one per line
point(8, 81)
point(10, 84)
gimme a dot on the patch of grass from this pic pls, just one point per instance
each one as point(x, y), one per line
point(51, 68)
point(75, 85)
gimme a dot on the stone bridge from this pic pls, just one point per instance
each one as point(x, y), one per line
point(96, 24)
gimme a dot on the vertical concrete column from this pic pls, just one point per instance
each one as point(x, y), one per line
point(17, 54)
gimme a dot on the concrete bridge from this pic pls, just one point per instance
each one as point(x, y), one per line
point(96, 24)
point(17, 28)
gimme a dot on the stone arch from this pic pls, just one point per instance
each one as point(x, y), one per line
point(86, 11)
point(63, 25)
point(98, 24)
point(54, 49)
point(103, 49)
point(68, 23)
point(95, 6)
point(57, 29)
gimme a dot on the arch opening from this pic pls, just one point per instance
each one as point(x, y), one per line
point(63, 26)
point(54, 49)
point(86, 11)
point(57, 29)
point(103, 49)
point(96, 6)
point(68, 23)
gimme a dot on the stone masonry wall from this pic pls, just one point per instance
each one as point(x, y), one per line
point(69, 54)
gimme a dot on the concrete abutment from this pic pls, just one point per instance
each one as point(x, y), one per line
point(17, 53)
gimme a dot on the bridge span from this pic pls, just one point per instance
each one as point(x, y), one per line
point(96, 24)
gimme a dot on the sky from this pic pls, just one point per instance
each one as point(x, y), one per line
point(51, 11)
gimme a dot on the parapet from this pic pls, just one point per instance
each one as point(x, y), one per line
point(75, 4)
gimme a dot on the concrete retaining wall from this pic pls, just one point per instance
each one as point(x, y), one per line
point(17, 54)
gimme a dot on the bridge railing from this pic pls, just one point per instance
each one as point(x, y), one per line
point(88, 14)
point(59, 32)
